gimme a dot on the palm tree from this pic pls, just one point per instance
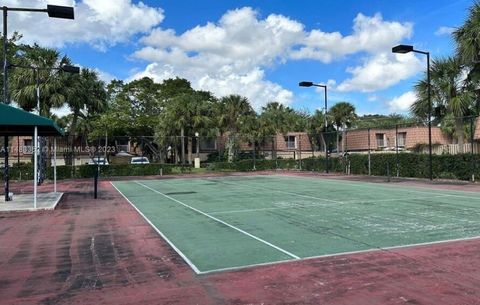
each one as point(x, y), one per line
point(468, 43)
point(234, 113)
point(86, 96)
point(187, 114)
point(275, 119)
point(449, 93)
point(53, 88)
point(343, 115)
point(316, 128)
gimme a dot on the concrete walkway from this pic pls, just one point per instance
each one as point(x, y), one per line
point(24, 202)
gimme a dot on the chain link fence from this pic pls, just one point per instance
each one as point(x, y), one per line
point(400, 150)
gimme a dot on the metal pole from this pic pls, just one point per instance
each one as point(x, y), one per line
point(37, 89)
point(471, 148)
point(5, 99)
point(369, 153)
point(35, 165)
point(54, 165)
point(254, 156)
point(300, 150)
point(396, 150)
point(429, 118)
point(326, 123)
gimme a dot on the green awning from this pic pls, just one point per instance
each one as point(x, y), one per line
point(17, 122)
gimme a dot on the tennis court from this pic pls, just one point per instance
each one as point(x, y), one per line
point(223, 223)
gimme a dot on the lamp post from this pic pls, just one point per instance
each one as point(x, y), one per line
point(53, 11)
point(403, 49)
point(310, 84)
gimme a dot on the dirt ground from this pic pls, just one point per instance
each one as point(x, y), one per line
point(102, 252)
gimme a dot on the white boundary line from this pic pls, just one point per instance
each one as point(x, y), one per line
point(386, 249)
point(222, 222)
point(185, 258)
point(319, 205)
point(368, 184)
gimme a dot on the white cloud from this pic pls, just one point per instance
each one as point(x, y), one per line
point(444, 30)
point(370, 34)
point(381, 71)
point(403, 102)
point(98, 23)
point(231, 55)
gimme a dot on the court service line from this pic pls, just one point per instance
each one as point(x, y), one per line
point(183, 256)
point(319, 205)
point(407, 188)
point(222, 222)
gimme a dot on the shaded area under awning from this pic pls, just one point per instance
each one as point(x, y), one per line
point(18, 122)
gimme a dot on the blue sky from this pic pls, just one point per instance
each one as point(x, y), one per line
point(260, 49)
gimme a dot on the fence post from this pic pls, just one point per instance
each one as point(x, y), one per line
point(254, 155)
point(300, 150)
point(471, 148)
point(396, 150)
point(369, 159)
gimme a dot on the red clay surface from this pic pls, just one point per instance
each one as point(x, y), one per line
point(103, 252)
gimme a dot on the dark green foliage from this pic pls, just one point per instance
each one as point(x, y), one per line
point(410, 165)
point(25, 172)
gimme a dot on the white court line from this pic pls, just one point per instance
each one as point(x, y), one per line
point(222, 222)
point(318, 205)
point(367, 184)
point(183, 256)
point(386, 249)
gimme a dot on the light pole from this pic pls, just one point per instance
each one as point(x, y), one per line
point(53, 11)
point(403, 49)
point(310, 84)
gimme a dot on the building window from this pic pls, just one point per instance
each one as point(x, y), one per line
point(208, 144)
point(291, 142)
point(401, 139)
point(380, 140)
point(27, 146)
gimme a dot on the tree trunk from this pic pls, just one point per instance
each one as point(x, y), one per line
point(189, 141)
point(460, 134)
point(182, 142)
point(323, 142)
point(338, 142)
point(230, 147)
point(71, 138)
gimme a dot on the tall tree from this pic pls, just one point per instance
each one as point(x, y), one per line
point(343, 116)
point(86, 96)
point(467, 40)
point(184, 115)
point(234, 113)
point(449, 93)
point(53, 86)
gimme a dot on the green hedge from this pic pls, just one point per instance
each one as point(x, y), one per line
point(25, 171)
point(409, 165)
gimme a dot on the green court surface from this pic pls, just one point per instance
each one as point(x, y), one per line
point(225, 223)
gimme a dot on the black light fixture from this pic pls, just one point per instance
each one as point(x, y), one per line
point(63, 12)
point(70, 69)
point(402, 49)
point(305, 84)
